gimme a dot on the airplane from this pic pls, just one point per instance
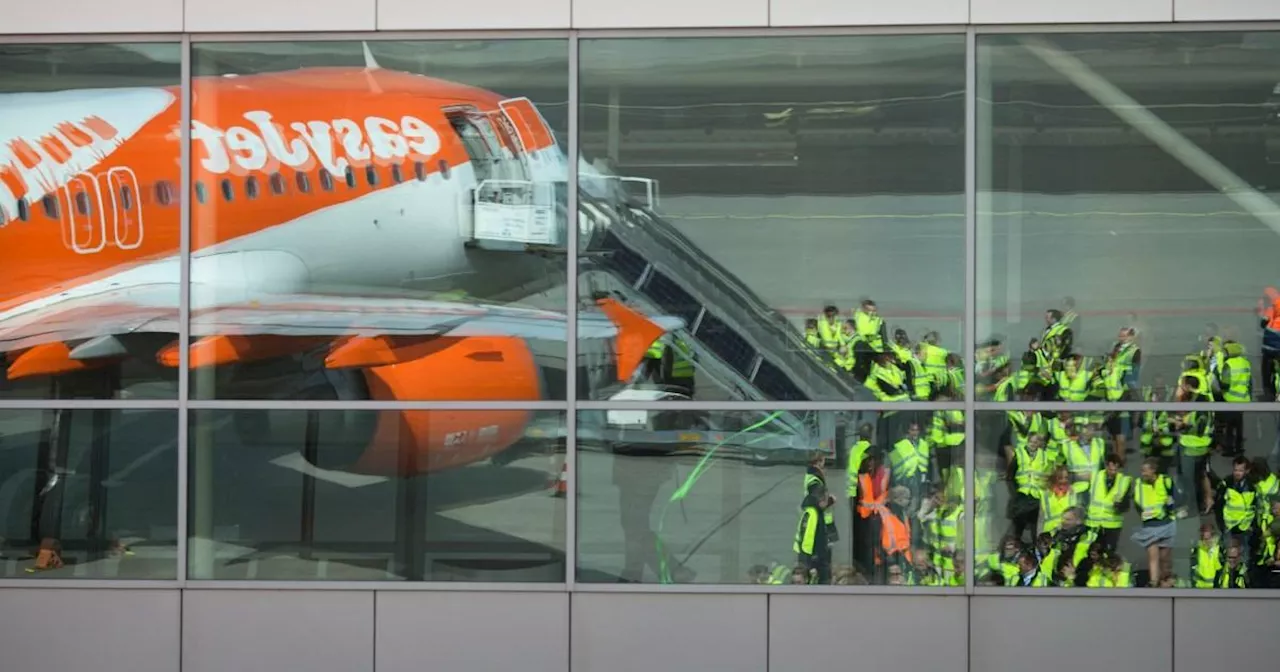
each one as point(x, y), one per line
point(317, 194)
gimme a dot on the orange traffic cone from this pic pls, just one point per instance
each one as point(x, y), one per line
point(561, 484)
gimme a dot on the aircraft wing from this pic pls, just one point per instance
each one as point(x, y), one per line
point(102, 324)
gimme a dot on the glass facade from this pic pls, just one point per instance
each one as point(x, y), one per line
point(700, 311)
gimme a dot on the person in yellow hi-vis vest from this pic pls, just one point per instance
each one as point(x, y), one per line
point(811, 546)
point(1108, 500)
point(1206, 557)
point(1156, 496)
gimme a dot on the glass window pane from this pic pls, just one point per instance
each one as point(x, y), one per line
point(1104, 500)
point(88, 494)
point(733, 497)
point(88, 282)
point(447, 287)
point(1126, 214)
point(378, 495)
point(741, 186)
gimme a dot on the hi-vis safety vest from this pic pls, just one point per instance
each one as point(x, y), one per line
point(1051, 339)
point(829, 331)
point(1205, 564)
point(1238, 509)
point(1103, 502)
point(780, 575)
point(1105, 578)
point(1113, 381)
point(1197, 434)
point(934, 359)
point(807, 531)
point(1231, 578)
point(1239, 380)
point(888, 383)
point(1153, 423)
point(857, 452)
point(1031, 471)
point(1153, 498)
point(1054, 505)
point(945, 532)
point(1075, 387)
point(1081, 463)
point(868, 329)
point(682, 364)
point(948, 429)
point(908, 459)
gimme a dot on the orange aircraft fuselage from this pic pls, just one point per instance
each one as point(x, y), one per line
point(347, 178)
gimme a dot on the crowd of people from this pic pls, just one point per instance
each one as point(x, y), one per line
point(1070, 479)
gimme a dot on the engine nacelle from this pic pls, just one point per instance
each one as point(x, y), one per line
point(412, 442)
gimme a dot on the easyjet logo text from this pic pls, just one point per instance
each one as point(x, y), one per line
point(335, 144)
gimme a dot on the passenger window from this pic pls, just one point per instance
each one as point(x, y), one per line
point(202, 194)
point(277, 183)
point(82, 203)
point(50, 204)
point(371, 175)
point(250, 187)
point(396, 175)
point(24, 212)
point(326, 180)
point(351, 177)
point(227, 191)
point(420, 170)
point(126, 198)
point(164, 193)
point(304, 183)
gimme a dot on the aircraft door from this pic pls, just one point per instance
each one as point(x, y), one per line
point(490, 157)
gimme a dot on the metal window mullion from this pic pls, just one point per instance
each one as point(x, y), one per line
point(184, 302)
point(1125, 406)
point(313, 405)
point(970, 306)
point(571, 322)
point(88, 404)
point(768, 406)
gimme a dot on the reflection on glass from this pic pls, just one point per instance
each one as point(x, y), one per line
point(1181, 503)
point(380, 221)
point(88, 494)
point(378, 495)
point(771, 498)
point(795, 202)
point(88, 282)
point(1127, 220)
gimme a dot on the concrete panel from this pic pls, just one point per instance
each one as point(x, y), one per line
point(864, 13)
point(204, 16)
point(86, 629)
point(669, 13)
point(269, 631)
point(456, 631)
point(1225, 634)
point(1227, 10)
point(91, 16)
point(813, 633)
point(1078, 11)
point(1014, 634)
point(514, 14)
point(630, 632)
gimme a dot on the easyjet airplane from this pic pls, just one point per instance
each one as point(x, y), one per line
point(303, 183)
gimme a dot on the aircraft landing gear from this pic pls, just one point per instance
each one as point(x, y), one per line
point(55, 466)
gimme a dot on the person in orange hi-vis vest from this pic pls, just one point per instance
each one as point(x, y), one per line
point(873, 488)
point(1269, 322)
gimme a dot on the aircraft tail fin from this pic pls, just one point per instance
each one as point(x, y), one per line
point(635, 334)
